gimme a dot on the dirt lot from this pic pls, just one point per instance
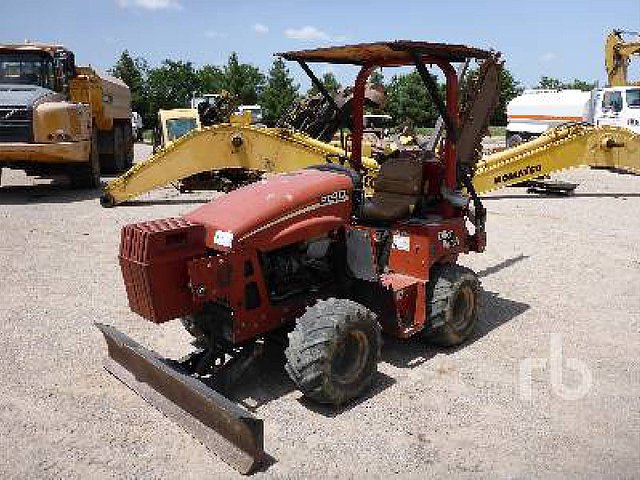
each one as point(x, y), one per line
point(549, 387)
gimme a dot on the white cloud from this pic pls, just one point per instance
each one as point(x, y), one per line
point(150, 4)
point(306, 33)
point(260, 28)
point(548, 57)
point(214, 34)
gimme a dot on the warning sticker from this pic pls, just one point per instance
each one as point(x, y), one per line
point(222, 238)
point(401, 242)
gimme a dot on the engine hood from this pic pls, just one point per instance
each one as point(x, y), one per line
point(274, 204)
point(22, 95)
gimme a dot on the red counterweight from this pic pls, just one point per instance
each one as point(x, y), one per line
point(153, 258)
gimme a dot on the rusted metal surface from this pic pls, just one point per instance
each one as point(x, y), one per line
point(482, 95)
point(232, 433)
point(392, 53)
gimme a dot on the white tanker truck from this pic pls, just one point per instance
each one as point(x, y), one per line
point(536, 111)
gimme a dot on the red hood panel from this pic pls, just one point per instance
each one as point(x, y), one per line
point(254, 206)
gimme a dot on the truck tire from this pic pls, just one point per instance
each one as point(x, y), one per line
point(513, 140)
point(120, 149)
point(452, 297)
point(333, 351)
point(87, 175)
point(129, 142)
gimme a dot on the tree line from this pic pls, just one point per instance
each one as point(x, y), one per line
point(173, 83)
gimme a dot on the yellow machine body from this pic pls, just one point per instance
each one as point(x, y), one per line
point(558, 149)
point(225, 146)
point(54, 113)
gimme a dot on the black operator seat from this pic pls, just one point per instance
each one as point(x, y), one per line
point(397, 189)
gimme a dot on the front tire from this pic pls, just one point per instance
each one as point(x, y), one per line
point(452, 298)
point(334, 350)
point(87, 175)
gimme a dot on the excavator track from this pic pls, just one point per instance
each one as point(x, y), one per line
point(566, 146)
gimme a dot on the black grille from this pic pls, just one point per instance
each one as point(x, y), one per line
point(15, 124)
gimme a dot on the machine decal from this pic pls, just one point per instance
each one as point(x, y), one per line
point(222, 238)
point(338, 196)
point(402, 242)
point(448, 238)
point(284, 218)
point(528, 170)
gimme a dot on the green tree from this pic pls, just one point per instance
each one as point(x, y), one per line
point(243, 80)
point(132, 72)
point(583, 85)
point(408, 101)
point(211, 79)
point(329, 81)
point(509, 88)
point(280, 91)
point(549, 83)
point(377, 78)
point(171, 85)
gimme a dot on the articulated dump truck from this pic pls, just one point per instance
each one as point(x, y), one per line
point(59, 118)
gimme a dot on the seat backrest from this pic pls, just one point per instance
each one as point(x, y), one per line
point(396, 191)
point(402, 176)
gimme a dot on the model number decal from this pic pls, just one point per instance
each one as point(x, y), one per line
point(448, 238)
point(338, 196)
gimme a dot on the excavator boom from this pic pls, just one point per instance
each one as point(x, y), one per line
point(566, 146)
point(224, 146)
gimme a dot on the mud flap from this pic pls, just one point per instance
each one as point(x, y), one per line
point(225, 428)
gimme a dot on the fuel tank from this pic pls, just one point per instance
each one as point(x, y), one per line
point(277, 211)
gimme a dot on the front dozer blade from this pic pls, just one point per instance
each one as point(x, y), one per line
point(225, 428)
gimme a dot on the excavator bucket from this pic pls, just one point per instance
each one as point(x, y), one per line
point(228, 430)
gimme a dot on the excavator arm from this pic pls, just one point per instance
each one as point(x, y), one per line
point(566, 146)
point(221, 147)
point(617, 55)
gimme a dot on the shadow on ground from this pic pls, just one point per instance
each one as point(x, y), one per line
point(535, 196)
point(267, 380)
point(494, 312)
point(45, 193)
point(164, 201)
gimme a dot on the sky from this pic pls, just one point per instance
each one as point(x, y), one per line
point(558, 38)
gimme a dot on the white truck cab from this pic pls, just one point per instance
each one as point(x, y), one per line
point(617, 106)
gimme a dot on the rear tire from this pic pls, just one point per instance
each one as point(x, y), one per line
point(452, 298)
point(120, 150)
point(514, 140)
point(334, 350)
point(87, 175)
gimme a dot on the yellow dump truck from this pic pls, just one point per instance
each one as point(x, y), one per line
point(56, 117)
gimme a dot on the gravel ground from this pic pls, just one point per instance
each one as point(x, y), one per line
point(560, 279)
